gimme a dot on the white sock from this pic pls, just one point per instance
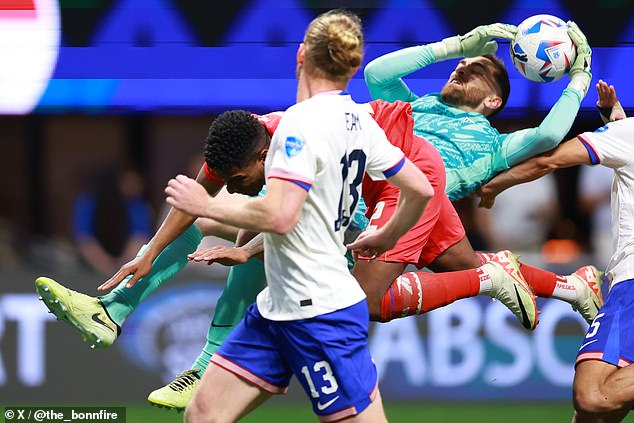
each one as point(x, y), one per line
point(485, 280)
point(565, 290)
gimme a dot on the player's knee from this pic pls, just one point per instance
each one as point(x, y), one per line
point(586, 404)
point(591, 399)
point(190, 414)
point(374, 307)
point(196, 412)
point(373, 298)
point(379, 303)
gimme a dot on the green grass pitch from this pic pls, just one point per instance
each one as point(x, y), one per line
point(407, 412)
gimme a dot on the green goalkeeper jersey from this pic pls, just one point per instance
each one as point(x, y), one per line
point(472, 150)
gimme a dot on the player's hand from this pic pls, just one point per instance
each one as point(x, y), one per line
point(487, 197)
point(137, 268)
point(369, 244)
point(584, 52)
point(476, 42)
point(227, 256)
point(608, 103)
point(480, 40)
point(187, 195)
point(607, 95)
point(579, 73)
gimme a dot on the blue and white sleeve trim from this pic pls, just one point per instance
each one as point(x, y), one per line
point(394, 169)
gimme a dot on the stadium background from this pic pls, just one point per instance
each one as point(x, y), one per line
point(136, 83)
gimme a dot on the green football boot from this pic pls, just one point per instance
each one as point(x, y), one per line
point(85, 313)
point(177, 394)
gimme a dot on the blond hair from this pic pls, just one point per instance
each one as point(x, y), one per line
point(334, 45)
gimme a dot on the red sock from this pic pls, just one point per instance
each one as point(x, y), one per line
point(420, 292)
point(541, 281)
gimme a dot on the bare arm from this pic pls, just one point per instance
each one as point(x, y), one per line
point(277, 212)
point(172, 227)
point(255, 246)
point(570, 153)
point(230, 256)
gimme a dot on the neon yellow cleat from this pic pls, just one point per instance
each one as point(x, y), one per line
point(83, 312)
point(177, 393)
point(587, 282)
point(510, 288)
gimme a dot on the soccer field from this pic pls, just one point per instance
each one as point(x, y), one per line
point(449, 412)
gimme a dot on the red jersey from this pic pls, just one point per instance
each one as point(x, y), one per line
point(397, 122)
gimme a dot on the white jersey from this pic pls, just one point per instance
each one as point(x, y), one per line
point(323, 144)
point(613, 147)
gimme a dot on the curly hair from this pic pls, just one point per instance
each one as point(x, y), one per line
point(233, 140)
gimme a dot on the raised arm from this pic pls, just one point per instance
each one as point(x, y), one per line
point(277, 212)
point(610, 108)
point(383, 75)
point(521, 145)
point(570, 153)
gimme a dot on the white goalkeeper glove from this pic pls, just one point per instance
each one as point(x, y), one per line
point(579, 73)
point(477, 42)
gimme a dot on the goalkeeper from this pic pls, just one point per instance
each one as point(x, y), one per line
point(456, 121)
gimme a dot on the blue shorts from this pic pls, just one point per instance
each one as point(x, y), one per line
point(328, 354)
point(609, 337)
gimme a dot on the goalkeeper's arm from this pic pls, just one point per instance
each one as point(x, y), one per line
point(383, 75)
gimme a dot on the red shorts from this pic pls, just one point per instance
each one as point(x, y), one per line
point(438, 228)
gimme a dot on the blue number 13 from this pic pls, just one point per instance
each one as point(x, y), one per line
point(358, 156)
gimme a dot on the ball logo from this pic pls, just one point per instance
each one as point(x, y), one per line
point(29, 45)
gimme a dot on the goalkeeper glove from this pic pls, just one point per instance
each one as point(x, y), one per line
point(579, 73)
point(476, 42)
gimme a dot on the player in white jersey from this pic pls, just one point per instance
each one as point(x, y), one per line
point(312, 319)
point(603, 389)
point(307, 272)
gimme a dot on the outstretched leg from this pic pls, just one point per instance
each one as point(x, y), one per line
point(419, 292)
point(244, 283)
point(581, 289)
point(99, 319)
point(122, 301)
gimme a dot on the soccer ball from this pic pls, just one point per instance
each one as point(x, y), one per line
point(542, 51)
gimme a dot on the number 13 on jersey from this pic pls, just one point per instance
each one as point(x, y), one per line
point(349, 187)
